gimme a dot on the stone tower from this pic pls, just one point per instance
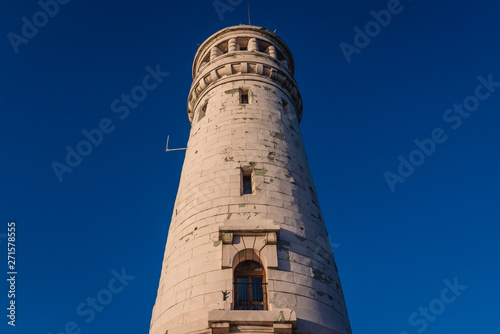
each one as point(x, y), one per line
point(247, 248)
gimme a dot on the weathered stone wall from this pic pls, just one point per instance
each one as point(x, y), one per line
point(264, 136)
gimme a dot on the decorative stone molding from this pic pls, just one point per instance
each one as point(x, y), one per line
point(280, 320)
point(253, 44)
point(247, 240)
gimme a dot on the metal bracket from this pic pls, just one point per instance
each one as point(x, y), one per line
point(173, 149)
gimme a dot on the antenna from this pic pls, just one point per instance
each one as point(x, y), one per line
point(173, 149)
point(249, 13)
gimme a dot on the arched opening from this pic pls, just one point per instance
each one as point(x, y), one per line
point(250, 289)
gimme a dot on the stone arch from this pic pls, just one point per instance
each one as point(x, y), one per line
point(249, 254)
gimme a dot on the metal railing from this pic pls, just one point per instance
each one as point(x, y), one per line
point(250, 296)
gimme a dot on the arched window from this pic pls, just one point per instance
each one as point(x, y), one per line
point(250, 291)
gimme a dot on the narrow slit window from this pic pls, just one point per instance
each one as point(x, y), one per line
point(202, 112)
point(286, 108)
point(246, 182)
point(243, 96)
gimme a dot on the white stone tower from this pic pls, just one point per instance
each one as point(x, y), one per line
point(247, 249)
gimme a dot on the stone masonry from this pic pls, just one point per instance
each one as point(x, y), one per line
point(245, 108)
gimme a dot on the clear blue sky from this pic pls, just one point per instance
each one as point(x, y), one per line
point(394, 249)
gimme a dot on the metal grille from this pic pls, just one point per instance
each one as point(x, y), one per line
point(250, 296)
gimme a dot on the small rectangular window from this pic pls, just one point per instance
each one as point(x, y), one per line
point(243, 96)
point(246, 181)
point(202, 111)
point(247, 184)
